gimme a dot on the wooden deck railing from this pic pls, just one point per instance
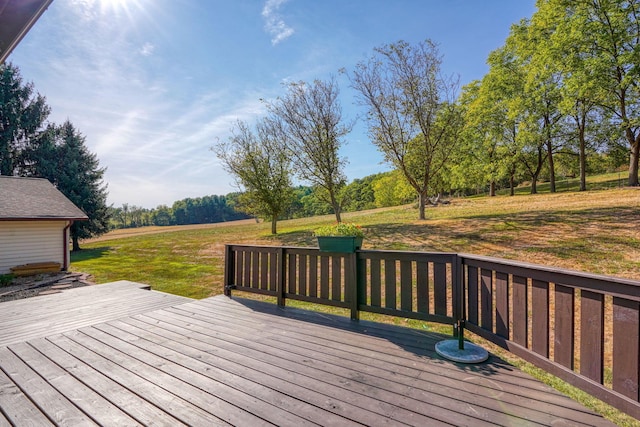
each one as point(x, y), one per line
point(580, 327)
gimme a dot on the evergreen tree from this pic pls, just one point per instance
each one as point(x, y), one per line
point(22, 115)
point(62, 157)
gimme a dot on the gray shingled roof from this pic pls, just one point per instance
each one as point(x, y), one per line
point(34, 198)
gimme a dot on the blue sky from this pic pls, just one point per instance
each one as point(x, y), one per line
point(153, 84)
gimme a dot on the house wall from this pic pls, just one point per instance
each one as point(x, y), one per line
point(24, 242)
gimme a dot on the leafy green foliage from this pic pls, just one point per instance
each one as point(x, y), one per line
point(392, 189)
point(260, 161)
point(340, 229)
point(309, 118)
point(411, 112)
point(6, 279)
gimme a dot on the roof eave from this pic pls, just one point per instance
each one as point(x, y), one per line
point(17, 18)
point(44, 218)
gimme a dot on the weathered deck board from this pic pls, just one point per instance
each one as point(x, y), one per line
point(136, 407)
point(51, 402)
point(346, 358)
point(74, 308)
point(87, 400)
point(239, 362)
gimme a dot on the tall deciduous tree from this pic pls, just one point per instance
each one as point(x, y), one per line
point(62, 157)
point(560, 47)
point(606, 36)
point(412, 114)
point(310, 118)
point(261, 163)
point(22, 117)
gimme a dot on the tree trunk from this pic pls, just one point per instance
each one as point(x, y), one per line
point(512, 180)
point(337, 209)
point(422, 201)
point(274, 222)
point(76, 244)
point(633, 163)
point(338, 215)
point(552, 169)
point(492, 189)
point(536, 174)
point(582, 151)
point(583, 162)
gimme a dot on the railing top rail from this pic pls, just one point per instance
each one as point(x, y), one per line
point(380, 251)
point(617, 286)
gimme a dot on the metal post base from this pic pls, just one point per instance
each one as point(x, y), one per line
point(471, 353)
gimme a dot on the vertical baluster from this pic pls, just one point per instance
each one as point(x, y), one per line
point(324, 277)
point(273, 270)
point(336, 278)
point(486, 299)
point(520, 311)
point(229, 266)
point(255, 269)
point(406, 286)
point(591, 335)
point(440, 287)
point(502, 305)
point(422, 286)
point(473, 297)
point(302, 274)
point(540, 317)
point(376, 283)
point(390, 283)
point(563, 342)
point(293, 276)
point(313, 276)
point(626, 333)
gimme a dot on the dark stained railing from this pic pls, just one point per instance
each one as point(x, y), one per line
point(580, 327)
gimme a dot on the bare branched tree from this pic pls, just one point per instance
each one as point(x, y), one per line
point(412, 115)
point(310, 119)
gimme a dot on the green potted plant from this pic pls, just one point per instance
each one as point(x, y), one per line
point(340, 237)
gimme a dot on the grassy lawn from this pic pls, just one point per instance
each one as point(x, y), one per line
point(596, 231)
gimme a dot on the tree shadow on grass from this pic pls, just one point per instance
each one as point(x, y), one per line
point(294, 238)
point(87, 254)
point(552, 231)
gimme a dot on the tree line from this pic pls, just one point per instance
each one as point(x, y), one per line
point(561, 95)
point(31, 146)
point(373, 191)
point(200, 210)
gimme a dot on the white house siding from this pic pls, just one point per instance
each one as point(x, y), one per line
point(25, 242)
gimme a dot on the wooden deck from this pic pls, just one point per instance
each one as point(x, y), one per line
point(173, 361)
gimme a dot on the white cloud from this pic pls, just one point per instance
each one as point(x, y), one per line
point(274, 24)
point(147, 49)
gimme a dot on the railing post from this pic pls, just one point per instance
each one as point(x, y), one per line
point(229, 266)
point(351, 279)
point(281, 276)
point(458, 279)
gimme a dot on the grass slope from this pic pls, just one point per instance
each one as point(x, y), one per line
point(593, 231)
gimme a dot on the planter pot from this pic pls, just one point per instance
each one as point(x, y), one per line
point(339, 243)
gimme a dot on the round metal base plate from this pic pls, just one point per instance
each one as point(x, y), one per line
point(471, 354)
